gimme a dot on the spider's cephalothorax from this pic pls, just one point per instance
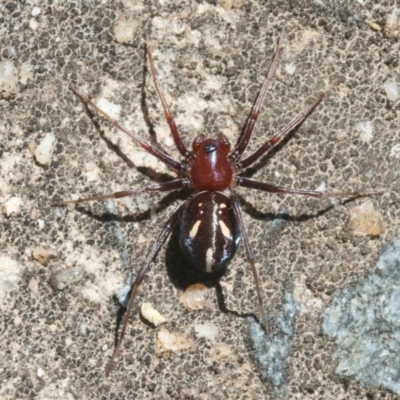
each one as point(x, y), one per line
point(211, 167)
point(210, 221)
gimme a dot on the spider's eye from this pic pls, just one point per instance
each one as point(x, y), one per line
point(210, 148)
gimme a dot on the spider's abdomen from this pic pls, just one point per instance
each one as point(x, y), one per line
point(211, 168)
point(209, 234)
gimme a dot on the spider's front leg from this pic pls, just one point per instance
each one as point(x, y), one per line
point(164, 187)
point(162, 156)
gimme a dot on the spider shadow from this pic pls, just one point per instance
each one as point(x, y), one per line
point(182, 275)
point(108, 217)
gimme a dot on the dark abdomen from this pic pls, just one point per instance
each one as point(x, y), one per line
point(209, 234)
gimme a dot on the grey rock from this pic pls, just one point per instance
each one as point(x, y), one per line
point(364, 321)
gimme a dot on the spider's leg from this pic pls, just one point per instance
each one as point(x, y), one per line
point(256, 109)
point(250, 258)
point(267, 187)
point(164, 187)
point(164, 157)
point(165, 231)
point(168, 116)
point(278, 137)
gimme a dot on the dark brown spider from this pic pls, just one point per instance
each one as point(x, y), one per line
point(210, 221)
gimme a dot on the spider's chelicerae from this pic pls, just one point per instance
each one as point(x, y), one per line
point(210, 221)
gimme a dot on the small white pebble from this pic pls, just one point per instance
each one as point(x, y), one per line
point(44, 150)
point(173, 342)
point(366, 130)
point(135, 5)
point(290, 68)
point(207, 331)
point(150, 314)
point(40, 373)
point(34, 285)
point(33, 24)
point(321, 187)
point(12, 206)
point(392, 90)
point(395, 151)
point(124, 30)
point(392, 25)
point(142, 202)
point(84, 329)
point(36, 11)
point(25, 73)
point(60, 279)
point(113, 110)
point(365, 220)
point(92, 294)
point(8, 79)
point(195, 297)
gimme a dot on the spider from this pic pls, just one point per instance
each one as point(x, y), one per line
point(210, 220)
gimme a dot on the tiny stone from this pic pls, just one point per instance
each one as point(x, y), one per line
point(44, 150)
point(392, 24)
point(395, 151)
point(33, 24)
point(8, 79)
point(34, 285)
point(10, 271)
point(43, 254)
point(373, 25)
point(365, 220)
point(60, 279)
point(25, 73)
point(124, 30)
point(366, 130)
point(12, 206)
point(173, 342)
point(392, 90)
point(84, 329)
point(207, 331)
point(36, 11)
point(195, 297)
point(150, 314)
point(92, 294)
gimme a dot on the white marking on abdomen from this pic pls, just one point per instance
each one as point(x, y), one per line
point(209, 260)
point(195, 229)
point(224, 229)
